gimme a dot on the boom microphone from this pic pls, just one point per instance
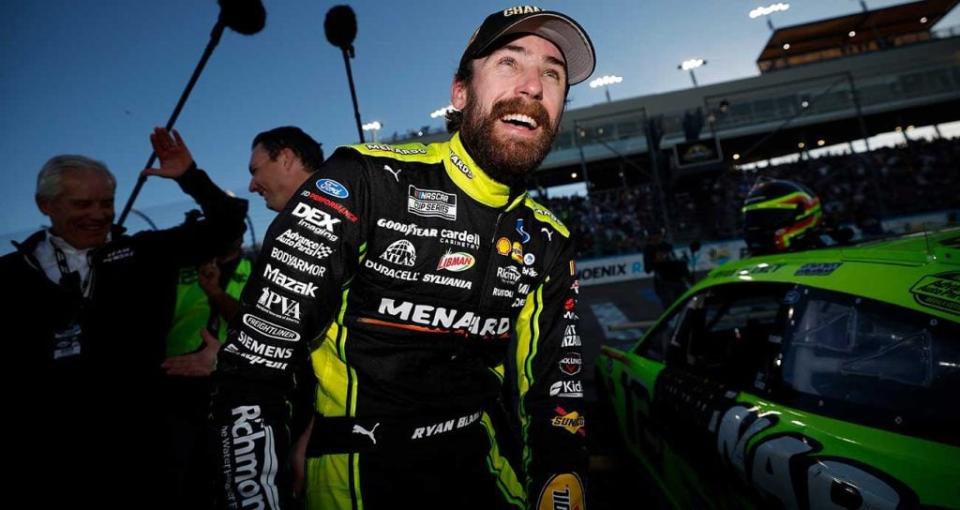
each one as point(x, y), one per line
point(341, 26)
point(245, 17)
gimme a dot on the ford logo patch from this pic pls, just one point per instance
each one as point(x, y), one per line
point(333, 188)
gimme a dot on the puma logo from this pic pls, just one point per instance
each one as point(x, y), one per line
point(396, 173)
point(357, 429)
point(547, 231)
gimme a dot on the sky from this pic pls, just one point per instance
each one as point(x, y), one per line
point(94, 77)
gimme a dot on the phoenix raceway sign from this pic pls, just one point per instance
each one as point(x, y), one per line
point(624, 268)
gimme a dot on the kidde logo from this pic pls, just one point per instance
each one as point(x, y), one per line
point(456, 262)
point(269, 329)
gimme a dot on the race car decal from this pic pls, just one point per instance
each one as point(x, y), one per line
point(939, 291)
point(817, 269)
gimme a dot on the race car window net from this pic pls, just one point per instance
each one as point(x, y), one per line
point(730, 333)
point(861, 355)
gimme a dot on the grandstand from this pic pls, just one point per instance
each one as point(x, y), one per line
point(676, 160)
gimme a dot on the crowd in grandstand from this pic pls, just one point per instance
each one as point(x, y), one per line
point(855, 189)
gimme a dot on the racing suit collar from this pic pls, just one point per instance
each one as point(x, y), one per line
point(469, 177)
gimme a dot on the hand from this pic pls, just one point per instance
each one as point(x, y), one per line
point(174, 156)
point(298, 459)
point(197, 364)
point(208, 277)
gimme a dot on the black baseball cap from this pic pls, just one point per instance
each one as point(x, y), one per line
point(560, 29)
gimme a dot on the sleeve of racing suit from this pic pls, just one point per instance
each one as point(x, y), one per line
point(196, 242)
point(309, 255)
point(547, 373)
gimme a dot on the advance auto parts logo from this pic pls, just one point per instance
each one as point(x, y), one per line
point(269, 329)
point(456, 262)
point(432, 203)
point(563, 491)
point(939, 291)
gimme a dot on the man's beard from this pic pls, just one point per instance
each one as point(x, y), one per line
point(507, 161)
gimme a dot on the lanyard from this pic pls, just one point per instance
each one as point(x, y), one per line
point(71, 279)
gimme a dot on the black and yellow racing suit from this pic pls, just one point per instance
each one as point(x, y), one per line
point(431, 299)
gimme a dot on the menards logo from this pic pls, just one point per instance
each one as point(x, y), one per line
point(456, 262)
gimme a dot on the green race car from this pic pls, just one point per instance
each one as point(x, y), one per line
point(821, 379)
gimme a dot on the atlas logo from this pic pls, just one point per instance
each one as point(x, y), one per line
point(303, 288)
point(572, 389)
point(333, 188)
point(456, 262)
point(288, 308)
point(432, 203)
point(400, 252)
point(269, 329)
point(251, 449)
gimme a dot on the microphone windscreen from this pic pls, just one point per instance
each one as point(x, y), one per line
point(245, 17)
point(341, 26)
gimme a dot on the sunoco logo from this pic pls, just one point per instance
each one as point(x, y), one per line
point(269, 329)
point(456, 262)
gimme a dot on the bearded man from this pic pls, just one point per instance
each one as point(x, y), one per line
point(436, 301)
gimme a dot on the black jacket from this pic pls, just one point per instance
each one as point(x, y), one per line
point(81, 405)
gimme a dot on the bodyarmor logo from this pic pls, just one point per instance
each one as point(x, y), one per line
point(432, 203)
point(297, 263)
point(449, 318)
point(400, 252)
point(252, 452)
point(289, 308)
point(302, 288)
point(269, 329)
point(456, 262)
point(566, 389)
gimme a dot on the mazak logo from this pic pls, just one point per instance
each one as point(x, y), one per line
point(571, 363)
point(571, 341)
point(400, 252)
point(509, 275)
point(457, 162)
point(269, 329)
point(572, 422)
point(316, 220)
point(333, 188)
point(456, 262)
point(278, 305)
point(303, 288)
point(251, 477)
point(449, 318)
point(432, 203)
point(566, 389)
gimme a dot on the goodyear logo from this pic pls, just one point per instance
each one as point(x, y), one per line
point(939, 291)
